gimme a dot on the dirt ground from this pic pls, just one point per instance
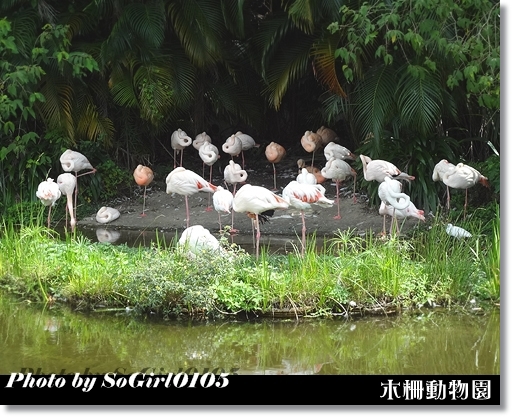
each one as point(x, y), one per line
point(166, 213)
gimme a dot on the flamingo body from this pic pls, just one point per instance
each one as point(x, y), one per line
point(197, 239)
point(333, 150)
point(179, 141)
point(378, 169)
point(233, 174)
point(200, 139)
point(311, 169)
point(232, 146)
point(73, 161)
point(306, 177)
point(338, 170)
point(209, 153)
point(67, 185)
point(328, 135)
point(223, 203)
point(274, 153)
point(107, 215)
point(143, 176)
point(48, 193)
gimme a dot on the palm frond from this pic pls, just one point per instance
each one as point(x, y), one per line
point(374, 102)
point(419, 99)
point(324, 63)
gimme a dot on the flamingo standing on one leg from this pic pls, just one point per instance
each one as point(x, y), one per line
point(233, 174)
point(311, 141)
point(259, 203)
point(73, 161)
point(48, 192)
point(179, 141)
point(186, 182)
point(301, 196)
point(274, 153)
point(328, 135)
point(378, 169)
point(209, 153)
point(67, 185)
point(463, 177)
point(223, 203)
point(247, 143)
point(339, 170)
point(143, 176)
point(333, 150)
point(200, 139)
point(232, 146)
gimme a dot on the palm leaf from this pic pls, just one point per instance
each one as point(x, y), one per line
point(419, 99)
point(325, 63)
point(374, 102)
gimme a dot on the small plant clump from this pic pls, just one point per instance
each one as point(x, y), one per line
point(352, 274)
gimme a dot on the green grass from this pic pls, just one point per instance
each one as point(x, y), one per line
point(351, 272)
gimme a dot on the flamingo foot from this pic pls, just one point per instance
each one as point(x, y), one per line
point(354, 200)
point(143, 215)
point(233, 231)
point(209, 208)
point(337, 217)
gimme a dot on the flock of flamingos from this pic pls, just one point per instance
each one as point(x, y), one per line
point(259, 203)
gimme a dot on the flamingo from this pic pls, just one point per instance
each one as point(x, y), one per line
point(107, 236)
point(232, 146)
point(259, 203)
point(67, 185)
point(247, 143)
point(179, 141)
point(379, 169)
point(441, 168)
point(390, 192)
point(186, 182)
point(306, 177)
point(196, 239)
point(233, 174)
point(312, 169)
point(457, 231)
point(200, 139)
point(339, 170)
point(463, 177)
point(209, 153)
point(409, 211)
point(301, 196)
point(73, 161)
point(328, 135)
point(143, 176)
point(311, 141)
point(333, 150)
point(107, 215)
point(274, 153)
point(48, 192)
point(223, 203)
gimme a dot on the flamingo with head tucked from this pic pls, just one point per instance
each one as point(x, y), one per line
point(311, 169)
point(328, 135)
point(248, 142)
point(333, 150)
point(185, 182)
point(223, 203)
point(259, 203)
point(390, 192)
point(338, 170)
point(107, 214)
point(73, 161)
point(410, 211)
point(143, 176)
point(48, 192)
point(274, 153)
point(302, 196)
point(311, 142)
point(232, 146)
point(179, 141)
point(378, 170)
point(209, 154)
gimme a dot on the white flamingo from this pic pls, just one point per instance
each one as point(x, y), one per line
point(223, 203)
point(232, 146)
point(248, 142)
point(48, 192)
point(333, 150)
point(234, 174)
point(410, 211)
point(311, 141)
point(73, 161)
point(259, 203)
point(107, 214)
point(200, 139)
point(179, 141)
point(67, 185)
point(378, 169)
point(197, 240)
point(390, 192)
point(209, 154)
point(302, 196)
point(339, 170)
point(185, 182)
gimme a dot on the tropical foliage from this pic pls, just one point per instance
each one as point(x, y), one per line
point(408, 82)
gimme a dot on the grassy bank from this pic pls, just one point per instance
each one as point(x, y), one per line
point(352, 274)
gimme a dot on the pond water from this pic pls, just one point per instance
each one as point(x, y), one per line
point(46, 340)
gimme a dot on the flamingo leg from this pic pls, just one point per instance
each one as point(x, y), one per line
point(313, 159)
point(243, 160)
point(209, 207)
point(181, 158)
point(275, 186)
point(144, 203)
point(186, 207)
point(220, 224)
point(175, 158)
point(303, 232)
point(76, 193)
point(448, 197)
point(257, 237)
point(338, 216)
point(384, 226)
point(49, 212)
point(465, 204)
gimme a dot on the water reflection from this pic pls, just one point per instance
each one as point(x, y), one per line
point(60, 341)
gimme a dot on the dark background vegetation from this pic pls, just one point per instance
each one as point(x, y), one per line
point(408, 82)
